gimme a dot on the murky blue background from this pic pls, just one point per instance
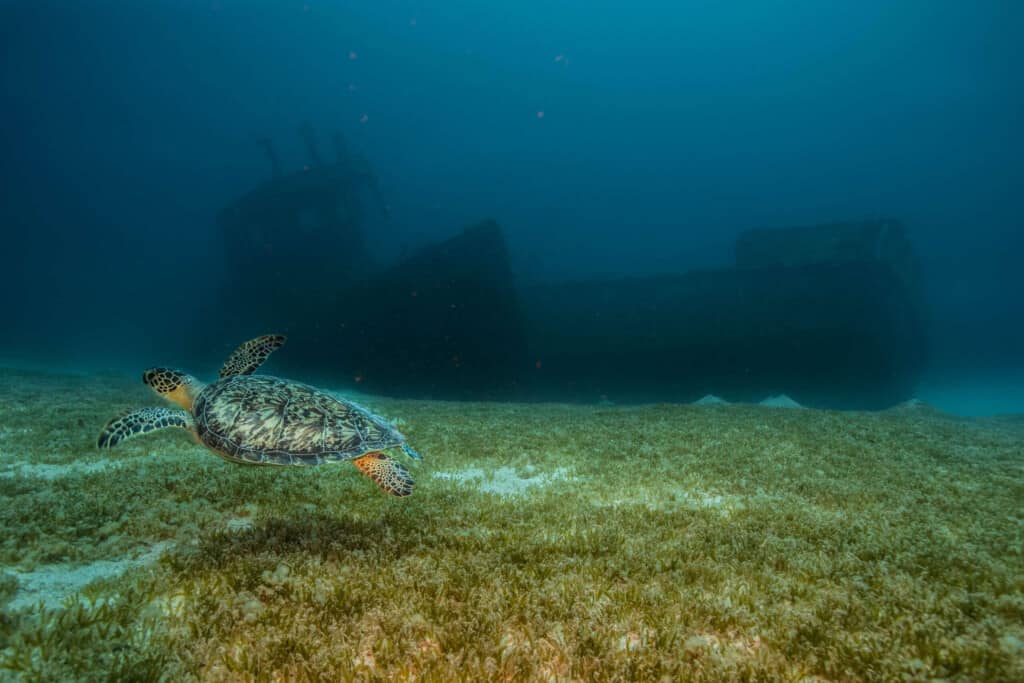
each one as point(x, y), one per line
point(607, 138)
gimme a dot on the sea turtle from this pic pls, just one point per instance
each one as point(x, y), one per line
point(263, 420)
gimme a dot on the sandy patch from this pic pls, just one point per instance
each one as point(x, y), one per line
point(14, 467)
point(52, 584)
point(505, 481)
point(51, 472)
point(710, 400)
point(690, 500)
point(780, 401)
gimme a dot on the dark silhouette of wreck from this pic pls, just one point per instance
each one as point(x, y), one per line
point(299, 233)
point(832, 315)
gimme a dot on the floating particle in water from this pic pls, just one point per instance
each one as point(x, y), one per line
point(540, 114)
point(364, 118)
point(352, 55)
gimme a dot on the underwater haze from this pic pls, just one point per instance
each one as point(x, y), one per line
point(707, 319)
point(606, 140)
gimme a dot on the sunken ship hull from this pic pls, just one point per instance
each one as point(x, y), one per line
point(450, 323)
point(831, 315)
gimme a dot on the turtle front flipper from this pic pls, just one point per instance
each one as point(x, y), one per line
point(248, 357)
point(143, 421)
point(386, 472)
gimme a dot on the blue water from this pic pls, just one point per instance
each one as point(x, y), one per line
point(607, 139)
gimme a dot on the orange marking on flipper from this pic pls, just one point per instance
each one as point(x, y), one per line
point(389, 475)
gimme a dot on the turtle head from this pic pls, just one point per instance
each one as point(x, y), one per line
point(174, 385)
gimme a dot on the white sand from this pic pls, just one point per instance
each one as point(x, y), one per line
point(504, 481)
point(52, 584)
point(51, 472)
point(780, 401)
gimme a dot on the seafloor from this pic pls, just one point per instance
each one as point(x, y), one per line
point(543, 542)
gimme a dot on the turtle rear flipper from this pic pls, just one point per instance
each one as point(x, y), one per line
point(143, 421)
point(386, 473)
point(248, 357)
point(408, 450)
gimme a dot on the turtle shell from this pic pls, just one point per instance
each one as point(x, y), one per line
point(266, 420)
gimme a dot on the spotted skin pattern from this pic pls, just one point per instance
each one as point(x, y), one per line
point(389, 474)
point(163, 380)
point(248, 357)
point(142, 421)
point(262, 420)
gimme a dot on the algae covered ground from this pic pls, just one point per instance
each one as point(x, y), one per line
point(543, 542)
